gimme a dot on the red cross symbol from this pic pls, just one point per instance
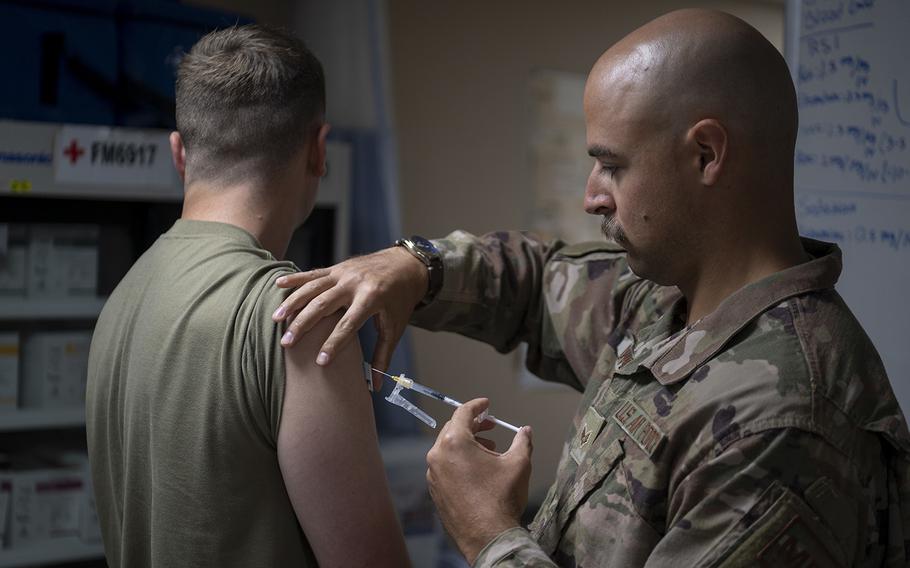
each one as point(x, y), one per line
point(73, 151)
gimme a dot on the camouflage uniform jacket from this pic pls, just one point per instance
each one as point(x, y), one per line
point(764, 434)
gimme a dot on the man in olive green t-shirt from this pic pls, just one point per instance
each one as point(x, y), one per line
point(210, 445)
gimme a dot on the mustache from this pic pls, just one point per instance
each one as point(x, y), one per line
point(611, 229)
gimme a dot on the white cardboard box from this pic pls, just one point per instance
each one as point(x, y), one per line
point(6, 505)
point(9, 371)
point(13, 256)
point(45, 504)
point(89, 525)
point(54, 369)
point(63, 260)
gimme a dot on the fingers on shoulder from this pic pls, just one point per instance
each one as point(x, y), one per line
point(300, 278)
point(309, 343)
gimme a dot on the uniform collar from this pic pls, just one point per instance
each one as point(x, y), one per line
point(671, 357)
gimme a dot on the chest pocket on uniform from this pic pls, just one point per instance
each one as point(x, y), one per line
point(600, 461)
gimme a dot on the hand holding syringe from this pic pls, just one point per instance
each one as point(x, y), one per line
point(402, 382)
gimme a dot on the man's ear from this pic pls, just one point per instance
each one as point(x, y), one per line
point(317, 155)
point(709, 139)
point(178, 154)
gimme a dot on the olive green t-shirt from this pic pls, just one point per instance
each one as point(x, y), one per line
point(185, 386)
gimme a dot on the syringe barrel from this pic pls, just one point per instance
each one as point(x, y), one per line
point(428, 391)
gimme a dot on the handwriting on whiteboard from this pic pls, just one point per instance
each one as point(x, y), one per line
point(853, 132)
point(893, 238)
point(841, 221)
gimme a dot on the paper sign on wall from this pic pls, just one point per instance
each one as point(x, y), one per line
point(112, 156)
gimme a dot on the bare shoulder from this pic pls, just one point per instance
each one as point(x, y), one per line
point(328, 452)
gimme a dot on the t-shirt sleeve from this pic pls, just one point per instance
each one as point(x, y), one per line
point(263, 357)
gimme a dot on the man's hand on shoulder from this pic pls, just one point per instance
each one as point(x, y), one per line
point(387, 284)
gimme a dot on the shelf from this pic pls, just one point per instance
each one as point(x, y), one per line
point(50, 308)
point(41, 419)
point(69, 549)
point(42, 176)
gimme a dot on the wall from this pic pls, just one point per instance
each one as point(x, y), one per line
point(459, 88)
point(459, 99)
point(277, 13)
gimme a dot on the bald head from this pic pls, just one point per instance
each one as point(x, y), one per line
point(694, 64)
point(691, 121)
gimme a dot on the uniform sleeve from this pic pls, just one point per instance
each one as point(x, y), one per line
point(513, 548)
point(510, 287)
point(492, 288)
point(784, 497)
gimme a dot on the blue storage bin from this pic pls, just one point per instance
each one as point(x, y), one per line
point(90, 7)
point(50, 54)
point(97, 61)
point(153, 37)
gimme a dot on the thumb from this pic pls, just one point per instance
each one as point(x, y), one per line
point(521, 443)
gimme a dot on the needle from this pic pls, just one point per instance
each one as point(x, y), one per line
point(427, 391)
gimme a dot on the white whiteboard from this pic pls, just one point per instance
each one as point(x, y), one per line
point(851, 64)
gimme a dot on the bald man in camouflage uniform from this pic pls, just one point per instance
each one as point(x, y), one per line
point(764, 434)
point(734, 411)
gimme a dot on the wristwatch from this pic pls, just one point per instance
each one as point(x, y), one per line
point(427, 253)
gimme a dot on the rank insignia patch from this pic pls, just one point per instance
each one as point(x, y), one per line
point(624, 358)
point(589, 429)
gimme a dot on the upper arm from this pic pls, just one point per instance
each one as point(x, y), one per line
point(329, 457)
point(491, 287)
point(768, 498)
point(510, 287)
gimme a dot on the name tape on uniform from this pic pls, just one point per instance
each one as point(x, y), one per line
point(639, 426)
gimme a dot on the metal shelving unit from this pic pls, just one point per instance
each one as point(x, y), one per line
point(28, 419)
point(37, 177)
point(42, 151)
point(70, 549)
point(52, 308)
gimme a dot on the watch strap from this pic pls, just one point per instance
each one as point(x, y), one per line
point(424, 251)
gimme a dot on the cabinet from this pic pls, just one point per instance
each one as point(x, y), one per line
point(129, 211)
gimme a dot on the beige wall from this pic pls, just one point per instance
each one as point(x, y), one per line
point(459, 84)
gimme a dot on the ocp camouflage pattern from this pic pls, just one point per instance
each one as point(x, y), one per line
point(766, 433)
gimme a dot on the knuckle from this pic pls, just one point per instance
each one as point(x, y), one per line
point(370, 289)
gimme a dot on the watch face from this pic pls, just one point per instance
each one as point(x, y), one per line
point(425, 246)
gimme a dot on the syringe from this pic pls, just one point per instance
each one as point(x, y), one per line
point(407, 383)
